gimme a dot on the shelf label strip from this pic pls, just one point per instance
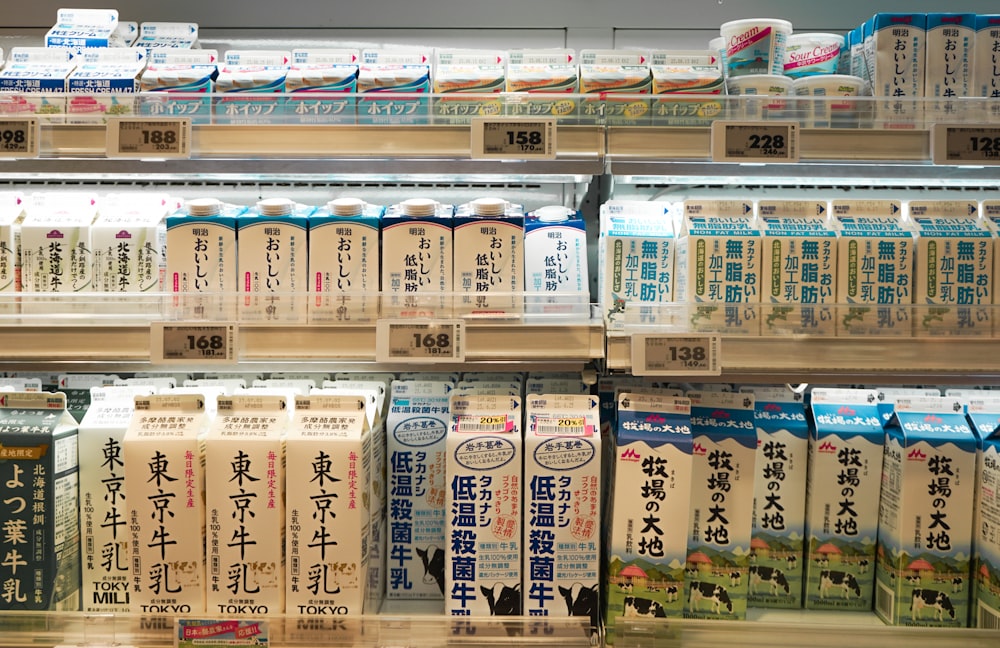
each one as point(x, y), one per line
point(513, 139)
point(965, 144)
point(658, 354)
point(203, 343)
point(755, 142)
point(19, 137)
point(149, 138)
point(420, 341)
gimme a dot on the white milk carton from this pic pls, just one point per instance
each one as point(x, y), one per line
point(926, 513)
point(244, 504)
point(105, 541)
point(484, 507)
point(562, 504)
point(227, 385)
point(845, 471)
point(489, 258)
point(607, 73)
point(875, 264)
point(253, 82)
point(127, 240)
point(12, 212)
point(79, 29)
point(77, 389)
point(321, 86)
point(273, 261)
point(677, 73)
point(648, 514)
point(898, 59)
point(155, 36)
point(777, 548)
point(986, 75)
point(165, 479)
point(950, 58)
point(33, 82)
point(56, 248)
point(636, 260)
point(717, 265)
point(954, 268)
point(104, 84)
point(417, 249)
point(159, 383)
point(549, 78)
point(393, 86)
point(984, 417)
point(460, 72)
point(555, 261)
point(175, 82)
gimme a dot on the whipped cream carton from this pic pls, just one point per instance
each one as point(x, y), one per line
point(718, 272)
point(875, 266)
point(954, 268)
point(845, 470)
point(39, 468)
point(166, 36)
point(328, 462)
point(393, 86)
point(777, 546)
point(724, 456)
point(949, 61)
point(925, 526)
point(898, 65)
point(676, 73)
point(253, 83)
point(79, 29)
point(488, 258)
point(986, 60)
point(800, 266)
point(177, 82)
point(165, 480)
point(12, 212)
point(417, 257)
point(984, 579)
point(555, 261)
point(127, 239)
point(321, 85)
point(56, 249)
point(549, 78)
point(104, 84)
point(33, 82)
point(484, 507)
point(562, 501)
point(244, 504)
point(636, 259)
point(607, 73)
point(463, 72)
point(273, 261)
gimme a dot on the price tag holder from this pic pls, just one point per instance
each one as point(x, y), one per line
point(219, 633)
point(755, 142)
point(149, 138)
point(513, 139)
point(658, 354)
point(965, 144)
point(187, 343)
point(19, 137)
point(420, 341)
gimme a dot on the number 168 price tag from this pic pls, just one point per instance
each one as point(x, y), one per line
point(420, 341)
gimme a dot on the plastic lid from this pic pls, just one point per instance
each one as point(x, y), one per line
point(554, 213)
point(419, 207)
point(275, 206)
point(489, 206)
point(346, 206)
point(204, 207)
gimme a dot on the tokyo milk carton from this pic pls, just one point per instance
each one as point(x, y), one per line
point(649, 511)
point(608, 73)
point(984, 416)
point(555, 261)
point(845, 469)
point(548, 77)
point(393, 86)
point(417, 257)
point(488, 258)
point(898, 59)
point(321, 85)
point(926, 514)
point(463, 72)
point(986, 60)
point(273, 261)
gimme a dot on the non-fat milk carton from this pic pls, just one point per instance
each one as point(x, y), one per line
point(273, 261)
point(34, 80)
point(845, 470)
point(165, 480)
point(39, 469)
point(327, 536)
point(104, 84)
point(555, 261)
point(649, 510)
point(549, 78)
point(127, 240)
point(677, 73)
point(724, 455)
point(461, 72)
point(78, 29)
point(898, 58)
point(779, 505)
point(562, 504)
point(176, 83)
point(926, 514)
point(56, 249)
point(950, 57)
point(984, 585)
point(488, 258)
point(321, 85)
point(986, 60)
point(252, 83)
point(484, 507)
point(393, 86)
point(607, 73)
point(417, 257)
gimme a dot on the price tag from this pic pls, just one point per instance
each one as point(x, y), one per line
point(420, 341)
point(958, 144)
point(755, 141)
point(514, 139)
point(147, 138)
point(187, 343)
point(657, 354)
point(19, 137)
point(212, 633)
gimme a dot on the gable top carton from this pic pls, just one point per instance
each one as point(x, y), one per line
point(257, 71)
point(984, 417)
point(82, 28)
point(399, 70)
point(458, 70)
point(112, 69)
point(621, 71)
point(327, 70)
point(687, 71)
point(37, 69)
point(125, 34)
point(167, 35)
point(543, 70)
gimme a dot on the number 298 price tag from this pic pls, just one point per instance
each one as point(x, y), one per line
point(19, 137)
point(514, 139)
point(420, 341)
point(656, 354)
point(149, 138)
point(767, 141)
point(193, 343)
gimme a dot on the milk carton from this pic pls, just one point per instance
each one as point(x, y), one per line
point(950, 62)
point(779, 504)
point(887, 397)
point(954, 268)
point(724, 448)
point(31, 76)
point(321, 85)
point(417, 257)
point(460, 72)
point(899, 48)
point(127, 240)
point(555, 261)
point(875, 264)
point(845, 469)
point(484, 507)
point(165, 480)
point(155, 36)
point(926, 514)
point(38, 446)
point(718, 266)
point(253, 82)
point(78, 29)
point(800, 266)
point(649, 511)
point(12, 212)
point(489, 258)
point(562, 463)
point(686, 72)
point(273, 261)
point(176, 83)
point(327, 502)
point(611, 72)
point(393, 85)
point(56, 249)
point(984, 416)
point(549, 78)
point(986, 60)
point(77, 389)
point(104, 84)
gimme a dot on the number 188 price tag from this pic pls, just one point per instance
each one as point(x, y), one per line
point(669, 355)
point(149, 138)
point(420, 341)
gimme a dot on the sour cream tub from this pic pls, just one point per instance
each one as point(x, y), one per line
point(764, 95)
point(755, 46)
point(826, 109)
point(811, 54)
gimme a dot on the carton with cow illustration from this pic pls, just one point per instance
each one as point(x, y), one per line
point(484, 507)
point(925, 515)
point(777, 544)
point(719, 531)
point(984, 416)
point(649, 508)
point(562, 521)
point(845, 469)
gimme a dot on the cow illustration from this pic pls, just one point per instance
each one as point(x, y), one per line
point(830, 578)
point(863, 566)
point(625, 587)
point(581, 601)
point(735, 578)
point(716, 595)
point(928, 598)
point(643, 607)
point(772, 576)
point(957, 584)
point(504, 600)
point(791, 562)
point(672, 593)
point(432, 558)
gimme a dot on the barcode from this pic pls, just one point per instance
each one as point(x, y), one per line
point(987, 617)
point(481, 427)
point(885, 601)
point(576, 430)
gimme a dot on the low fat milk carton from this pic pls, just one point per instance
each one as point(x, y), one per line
point(562, 505)
point(608, 73)
point(777, 547)
point(104, 84)
point(986, 75)
point(484, 507)
point(79, 29)
point(984, 585)
point(925, 530)
point(273, 261)
point(127, 239)
point(417, 267)
point(548, 77)
point(252, 83)
point(488, 258)
point(724, 452)
point(56, 249)
point(676, 73)
point(898, 64)
point(244, 504)
point(954, 268)
point(393, 86)
point(875, 265)
point(177, 82)
point(555, 261)
point(464, 72)
point(845, 470)
point(649, 511)
point(165, 480)
point(33, 82)
point(39, 469)
point(950, 57)
point(321, 85)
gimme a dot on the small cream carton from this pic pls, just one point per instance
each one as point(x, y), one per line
point(155, 36)
point(104, 84)
point(488, 258)
point(79, 29)
point(272, 257)
point(253, 83)
point(549, 78)
point(393, 86)
point(322, 85)
point(127, 239)
point(460, 72)
point(607, 73)
point(986, 60)
point(33, 82)
point(165, 479)
point(898, 63)
point(417, 270)
point(56, 248)
point(677, 73)
point(177, 82)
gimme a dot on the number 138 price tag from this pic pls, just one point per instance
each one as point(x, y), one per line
point(668, 355)
point(758, 142)
point(420, 341)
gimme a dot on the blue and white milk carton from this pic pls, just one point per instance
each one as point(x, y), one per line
point(488, 258)
point(33, 82)
point(899, 48)
point(79, 29)
point(394, 86)
point(555, 261)
point(177, 83)
point(984, 416)
point(252, 84)
point(273, 259)
point(321, 85)
point(950, 61)
point(417, 265)
point(104, 84)
point(986, 60)
point(154, 36)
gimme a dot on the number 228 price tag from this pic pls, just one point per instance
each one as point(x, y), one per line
point(420, 341)
point(515, 139)
point(757, 142)
point(149, 138)
point(671, 355)
point(193, 343)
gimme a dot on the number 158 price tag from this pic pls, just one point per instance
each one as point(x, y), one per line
point(517, 139)
point(420, 341)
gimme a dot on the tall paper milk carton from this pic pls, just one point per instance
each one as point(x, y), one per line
point(986, 77)
point(273, 261)
point(417, 270)
point(127, 239)
point(984, 416)
point(950, 57)
point(12, 211)
point(489, 258)
point(898, 59)
point(56, 249)
point(555, 261)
